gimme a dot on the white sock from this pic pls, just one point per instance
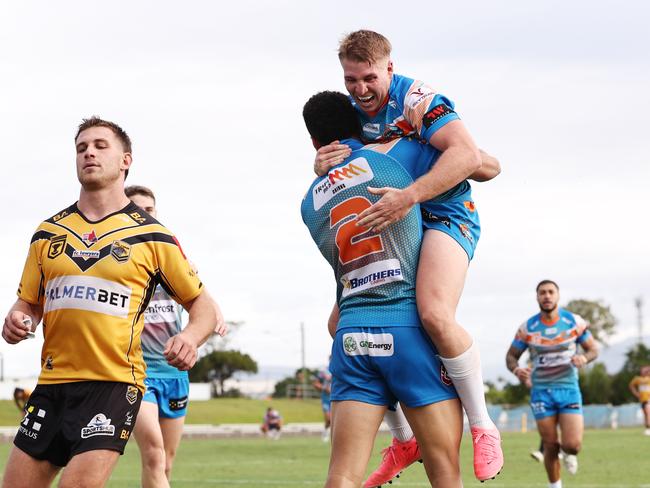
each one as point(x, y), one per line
point(557, 484)
point(398, 424)
point(465, 372)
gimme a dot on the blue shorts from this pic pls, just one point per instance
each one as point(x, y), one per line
point(547, 402)
point(458, 219)
point(170, 394)
point(383, 365)
point(326, 403)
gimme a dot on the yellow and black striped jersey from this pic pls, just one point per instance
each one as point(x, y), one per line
point(94, 281)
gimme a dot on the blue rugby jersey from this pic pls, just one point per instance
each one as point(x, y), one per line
point(162, 320)
point(375, 273)
point(411, 109)
point(551, 348)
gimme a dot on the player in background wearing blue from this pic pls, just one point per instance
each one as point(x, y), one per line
point(389, 106)
point(379, 340)
point(323, 383)
point(552, 337)
point(159, 426)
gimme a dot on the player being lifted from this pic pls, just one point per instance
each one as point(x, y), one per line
point(379, 340)
point(90, 272)
point(552, 337)
point(389, 106)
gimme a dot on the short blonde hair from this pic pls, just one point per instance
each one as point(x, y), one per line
point(364, 46)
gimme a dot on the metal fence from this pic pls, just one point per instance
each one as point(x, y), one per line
point(596, 416)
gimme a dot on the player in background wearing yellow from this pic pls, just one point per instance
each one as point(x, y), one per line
point(640, 388)
point(21, 397)
point(90, 272)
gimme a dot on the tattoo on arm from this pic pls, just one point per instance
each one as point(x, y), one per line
point(512, 358)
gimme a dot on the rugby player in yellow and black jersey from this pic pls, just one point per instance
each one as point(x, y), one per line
point(90, 272)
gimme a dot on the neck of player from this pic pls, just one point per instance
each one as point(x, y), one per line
point(97, 204)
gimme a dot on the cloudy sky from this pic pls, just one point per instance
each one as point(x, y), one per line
point(211, 95)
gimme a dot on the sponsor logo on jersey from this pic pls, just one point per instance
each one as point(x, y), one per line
point(121, 251)
point(131, 394)
point(354, 173)
point(89, 238)
point(365, 344)
point(469, 205)
point(59, 216)
point(372, 128)
point(128, 420)
point(435, 114)
point(371, 275)
point(160, 311)
point(57, 246)
point(99, 425)
point(48, 363)
point(86, 255)
point(392, 103)
point(87, 293)
point(137, 217)
point(417, 96)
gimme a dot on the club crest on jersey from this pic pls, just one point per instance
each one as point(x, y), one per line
point(89, 238)
point(57, 246)
point(131, 394)
point(121, 251)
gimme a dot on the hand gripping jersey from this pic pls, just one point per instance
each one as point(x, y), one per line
point(94, 281)
point(375, 273)
point(411, 109)
point(551, 348)
point(162, 320)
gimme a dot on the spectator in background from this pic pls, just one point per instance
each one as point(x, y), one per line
point(272, 424)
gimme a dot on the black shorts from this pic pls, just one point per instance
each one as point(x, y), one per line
point(66, 419)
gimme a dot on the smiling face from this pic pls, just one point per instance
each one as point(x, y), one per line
point(368, 83)
point(548, 297)
point(101, 159)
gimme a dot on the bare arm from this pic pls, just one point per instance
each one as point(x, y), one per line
point(490, 168)
point(13, 330)
point(460, 158)
point(590, 353)
point(512, 363)
point(633, 389)
point(333, 320)
point(204, 318)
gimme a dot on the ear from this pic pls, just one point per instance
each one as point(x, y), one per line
point(127, 159)
point(317, 145)
point(390, 66)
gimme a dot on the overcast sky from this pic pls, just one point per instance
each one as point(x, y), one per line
point(211, 95)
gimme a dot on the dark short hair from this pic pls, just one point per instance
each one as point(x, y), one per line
point(547, 282)
point(129, 191)
point(120, 133)
point(329, 116)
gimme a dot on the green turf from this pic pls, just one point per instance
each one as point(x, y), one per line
point(610, 459)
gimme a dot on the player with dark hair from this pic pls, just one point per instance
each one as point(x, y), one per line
point(552, 336)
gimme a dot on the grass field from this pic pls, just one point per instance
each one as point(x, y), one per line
point(610, 459)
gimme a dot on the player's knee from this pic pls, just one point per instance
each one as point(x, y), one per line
point(154, 459)
point(437, 320)
point(572, 446)
point(552, 447)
